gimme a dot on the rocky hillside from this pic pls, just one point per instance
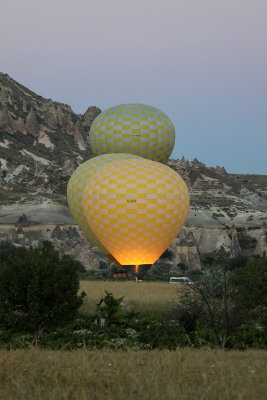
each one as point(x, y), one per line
point(227, 210)
point(42, 142)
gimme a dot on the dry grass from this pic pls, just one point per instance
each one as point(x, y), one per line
point(97, 375)
point(146, 296)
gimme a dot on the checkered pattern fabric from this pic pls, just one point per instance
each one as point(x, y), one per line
point(76, 186)
point(136, 208)
point(133, 128)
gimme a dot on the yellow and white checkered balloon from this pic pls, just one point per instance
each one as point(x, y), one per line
point(136, 208)
point(76, 186)
point(133, 128)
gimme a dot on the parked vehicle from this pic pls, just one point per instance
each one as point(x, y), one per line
point(181, 279)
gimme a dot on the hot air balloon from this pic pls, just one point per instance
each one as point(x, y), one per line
point(76, 186)
point(133, 128)
point(136, 208)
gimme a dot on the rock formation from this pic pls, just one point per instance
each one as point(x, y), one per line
point(38, 134)
point(235, 250)
point(186, 253)
point(261, 248)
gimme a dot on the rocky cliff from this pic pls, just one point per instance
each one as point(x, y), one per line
point(42, 142)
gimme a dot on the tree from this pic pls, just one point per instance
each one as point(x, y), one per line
point(110, 308)
point(250, 283)
point(38, 288)
point(210, 302)
point(6, 249)
point(224, 298)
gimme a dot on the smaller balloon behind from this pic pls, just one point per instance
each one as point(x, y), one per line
point(76, 186)
point(133, 128)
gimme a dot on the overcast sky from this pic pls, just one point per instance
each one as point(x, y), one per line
point(202, 62)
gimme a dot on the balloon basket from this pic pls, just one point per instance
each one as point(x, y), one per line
point(139, 272)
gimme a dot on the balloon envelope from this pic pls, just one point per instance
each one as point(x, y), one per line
point(76, 186)
point(136, 208)
point(133, 128)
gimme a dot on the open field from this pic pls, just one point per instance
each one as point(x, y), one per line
point(97, 375)
point(151, 297)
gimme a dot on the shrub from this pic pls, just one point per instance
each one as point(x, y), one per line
point(109, 308)
point(250, 283)
point(6, 249)
point(224, 300)
point(208, 303)
point(38, 287)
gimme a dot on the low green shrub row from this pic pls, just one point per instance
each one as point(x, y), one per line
point(133, 333)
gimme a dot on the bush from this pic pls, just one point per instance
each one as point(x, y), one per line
point(250, 283)
point(224, 300)
point(109, 308)
point(160, 269)
point(6, 249)
point(38, 287)
point(209, 303)
point(247, 336)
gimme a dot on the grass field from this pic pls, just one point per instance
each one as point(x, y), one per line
point(155, 375)
point(152, 297)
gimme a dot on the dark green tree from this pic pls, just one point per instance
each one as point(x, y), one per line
point(6, 249)
point(109, 308)
point(38, 288)
point(209, 302)
point(224, 298)
point(250, 283)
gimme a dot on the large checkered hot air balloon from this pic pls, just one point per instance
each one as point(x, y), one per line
point(76, 186)
point(136, 208)
point(133, 128)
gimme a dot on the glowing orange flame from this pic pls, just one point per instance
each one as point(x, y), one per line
point(136, 268)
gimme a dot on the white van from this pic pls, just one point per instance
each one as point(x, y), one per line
point(181, 279)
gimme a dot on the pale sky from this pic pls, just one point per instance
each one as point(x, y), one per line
point(202, 62)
